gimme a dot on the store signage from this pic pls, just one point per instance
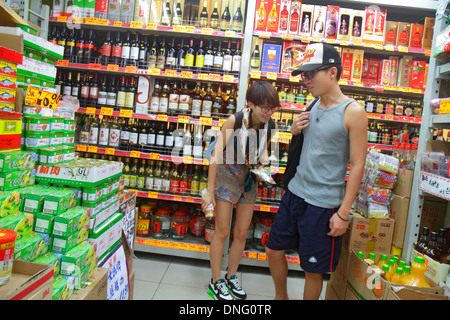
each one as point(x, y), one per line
point(41, 99)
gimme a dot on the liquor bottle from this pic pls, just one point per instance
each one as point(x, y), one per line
point(255, 60)
point(89, 47)
point(330, 28)
point(218, 57)
point(431, 250)
point(161, 135)
point(423, 241)
point(61, 36)
point(102, 93)
point(177, 14)
point(126, 173)
point(93, 89)
point(121, 94)
point(272, 18)
point(140, 180)
point(134, 51)
point(194, 20)
point(226, 17)
point(190, 55)
point(204, 16)
point(204, 179)
point(152, 55)
point(157, 181)
point(181, 56)
point(282, 93)
point(69, 49)
point(293, 25)
point(214, 21)
point(237, 19)
point(151, 135)
point(133, 173)
point(111, 93)
point(166, 178)
point(195, 182)
point(184, 180)
point(207, 103)
point(187, 143)
point(231, 102)
point(103, 136)
point(67, 87)
point(124, 141)
point(161, 55)
point(149, 178)
point(218, 102)
point(174, 98)
point(236, 66)
point(169, 139)
point(116, 53)
point(142, 136)
point(185, 99)
point(227, 58)
point(85, 131)
point(164, 99)
point(130, 95)
point(209, 56)
point(79, 46)
point(76, 86)
point(143, 51)
point(154, 102)
point(126, 49)
point(171, 59)
point(59, 83)
point(197, 150)
point(174, 179)
point(196, 101)
point(166, 18)
point(114, 134)
point(52, 37)
point(200, 57)
point(93, 131)
point(300, 96)
point(290, 95)
point(85, 87)
point(284, 18)
point(178, 136)
point(134, 135)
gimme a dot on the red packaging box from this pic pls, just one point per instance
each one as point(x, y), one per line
point(404, 30)
point(347, 62)
point(372, 72)
point(273, 17)
point(416, 35)
point(394, 71)
point(261, 14)
point(101, 9)
point(384, 70)
point(365, 70)
point(417, 74)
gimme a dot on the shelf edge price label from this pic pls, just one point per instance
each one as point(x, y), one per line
point(154, 156)
point(188, 160)
point(183, 119)
point(214, 77)
point(62, 63)
point(228, 78)
point(444, 106)
point(92, 149)
point(170, 73)
point(136, 24)
point(103, 22)
point(128, 113)
point(91, 20)
point(154, 71)
point(135, 154)
point(162, 117)
point(152, 26)
point(110, 151)
point(255, 74)
point(207, 31)
point(91, 110)
point(272, 76)
point(186, 74)
point(203, 76)
point(153, 194)
point(112, 67)
point(41, 99)
point(265, 207)
point(81, 147)
point(106, 111)
point(206, 121)
point(131, 69)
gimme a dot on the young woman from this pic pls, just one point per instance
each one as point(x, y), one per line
point(244, 138)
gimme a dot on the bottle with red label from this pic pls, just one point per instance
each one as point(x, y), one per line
point(262, 232)
point(161, 223)
point(106, 50)
point(179, 224)
point(175, 179)
point(184, 180)
point(143, 221)
point(116, 50)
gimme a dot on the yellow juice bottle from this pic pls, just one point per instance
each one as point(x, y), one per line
point(417, 276)
point(383, 260)
point(397, 276)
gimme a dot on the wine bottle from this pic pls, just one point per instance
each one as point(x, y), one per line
point(174, 97)
point(114, 134)
point(154, 102)
point(67, 87)
point(214, 21)
point(255, 60)
point(161, 135)
point(200, 57)
point(126, 48)
point(93, 89)
point(218, 57)
point(209, 56)
point(164, 99)
point(93, 132)
point(111, 93)
point(181, 56)
point(236, 66)
point(130, 95)
point(177, 14)
point(190, 55)
point(134, 135)
point(152, 55)
point(143, 51)
point(121, 94)
point(227, 58)
point(226, 17)
point(134, 51)
point(85, 131)
point(237, 19)
point(85, 88)
point(207, 103)
point(103, 136)
point(184, 106)
point(79, 46)
point(76, 86)
point(171, 59)
point(196, 101)
point(88, 47)
point(69, 49)
point(218, 102)
point(124, 142)
point(204, 15)
point(161, 56)
point(166, 15)
point(116, 53)
point(151, 135)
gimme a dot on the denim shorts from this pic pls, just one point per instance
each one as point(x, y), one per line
point(302, 226)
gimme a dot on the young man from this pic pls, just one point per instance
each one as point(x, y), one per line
point(315, 209)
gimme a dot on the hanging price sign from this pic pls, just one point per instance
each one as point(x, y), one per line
point(41, 99)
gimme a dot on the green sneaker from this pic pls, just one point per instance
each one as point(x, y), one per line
point(219, 290)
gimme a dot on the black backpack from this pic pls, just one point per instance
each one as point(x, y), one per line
point(295, 150)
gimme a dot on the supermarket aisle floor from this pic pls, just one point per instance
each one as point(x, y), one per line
point(160, 277)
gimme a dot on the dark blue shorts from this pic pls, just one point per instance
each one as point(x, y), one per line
point(302, 226)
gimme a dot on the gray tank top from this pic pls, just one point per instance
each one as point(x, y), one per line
point(320, 177)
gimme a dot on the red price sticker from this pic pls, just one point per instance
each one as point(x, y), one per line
point(41, 99)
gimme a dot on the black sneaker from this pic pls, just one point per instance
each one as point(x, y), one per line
point(219, 290)
point(235, 288)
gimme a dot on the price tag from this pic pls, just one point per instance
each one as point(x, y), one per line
point(189, 29)
point(389, 47)
point(222, 121)
point(264, 35)
point(344, 43)
point(154, 156)
point(206, 121)
point(186, 74)
point(136, 24)
point(177, 198)
point(131, 69)
point(106, 111)
point(162, 117)
point(444, 106)
point(183, 119)
point(403, 49)
point(133, 190)
point(207, 31)
point(140, 241)
point(189, 199)
point(62, 63)
point(103, 22)
point(128, 113)
point(77, 20)
point(179, 28)
point(214, 76)
point(294, 79)
point(330, 41)
point(287, 37)
point(90, 110)
point(154, 71)
point(170, 73)
point(265, 207)
point(203, 76)
point(255, 74)
point(389, 117)
point(153, 194)
point(41, 99)
point(110, 151)
point(112, 67)
point(228, 78)
point(135, 154)
point(306, 39)
point(62, 19)
point(117, 23)
point(188, 159)
point(379, 46)
point(152, 26)
point(427, 52)
point(230, 33)
point(92, 149)
point(262, 256)
point(81, 147)
point(317, 39)
point(91, 20)
point(272, 76)
point(94, 66)
point(148, 242)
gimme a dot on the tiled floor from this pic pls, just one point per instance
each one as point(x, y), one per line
point(161, 277)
